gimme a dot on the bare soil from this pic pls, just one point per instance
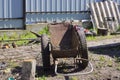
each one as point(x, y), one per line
point(104, 54)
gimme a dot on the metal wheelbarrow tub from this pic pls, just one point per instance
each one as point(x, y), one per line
point(66, 41)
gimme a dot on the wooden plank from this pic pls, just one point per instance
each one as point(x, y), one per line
point(102, 10)
point(93, 15)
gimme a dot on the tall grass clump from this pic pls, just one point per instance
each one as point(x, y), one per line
point(45, 30)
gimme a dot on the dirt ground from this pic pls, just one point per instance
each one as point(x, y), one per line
point(104, 54)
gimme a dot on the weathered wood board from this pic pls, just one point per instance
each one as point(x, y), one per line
point(105, 15)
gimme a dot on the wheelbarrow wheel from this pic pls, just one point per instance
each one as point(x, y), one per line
point(83, 51)
point(45, 52)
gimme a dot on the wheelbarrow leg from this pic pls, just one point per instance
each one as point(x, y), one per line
point(45, 52)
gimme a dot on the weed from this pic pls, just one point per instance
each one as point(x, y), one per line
point(73, 78)
point(45, 30)
point(41, 78)
point(26, 35)
point(117, 59)
point(99, 65)
point(90, 38)
point(109, 64)
point(15, 36)
point(13, 64)
point(118, 68)
point(102, 58)
point(5, 37)
point(93, 38)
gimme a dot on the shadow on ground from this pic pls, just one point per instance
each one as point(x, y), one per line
point(68, 69)
point(40, 72)
point(112, 50)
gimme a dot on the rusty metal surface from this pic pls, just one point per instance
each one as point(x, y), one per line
point(60, 35)
point(64, 40)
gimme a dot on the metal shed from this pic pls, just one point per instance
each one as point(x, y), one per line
point(12, 14)
point(15, 13)
point(57, 10)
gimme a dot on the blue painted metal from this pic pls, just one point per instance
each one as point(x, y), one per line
point(57, 5)
point(47, 6)
point(10, 9)
point(11, 24)
point(33, 18)
point(14, 9)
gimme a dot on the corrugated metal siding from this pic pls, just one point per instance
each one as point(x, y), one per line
point(10, 9)
point(102, 12)
point(57, 5)
point(5, 24)
point(56, 10)
point(14, 9)
point(33, 18)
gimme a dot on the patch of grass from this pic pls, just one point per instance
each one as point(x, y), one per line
point(90, 38)
point(15, 36)
point(95, 38)
point(45, 30)
point(41, 78)
point(13, 64)
point(109, 63)
point(99, 65)
point(102, 58)
point(73, 78)
point(4, 37)
point(27, 35)
point(101, 62)
point(117, 59)
point(118, 68)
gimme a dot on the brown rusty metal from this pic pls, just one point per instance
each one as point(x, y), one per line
point(64, 41)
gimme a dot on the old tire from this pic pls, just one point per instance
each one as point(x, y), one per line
point(45, 52)
point(83, 51)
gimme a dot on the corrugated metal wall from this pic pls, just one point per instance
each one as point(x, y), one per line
point(57, 10)
point(11, 11)
point(57, 5)
point(11, 14)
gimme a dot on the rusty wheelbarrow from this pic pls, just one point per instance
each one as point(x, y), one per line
point(66, 41)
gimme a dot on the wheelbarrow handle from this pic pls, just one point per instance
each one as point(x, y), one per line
point(73, 74)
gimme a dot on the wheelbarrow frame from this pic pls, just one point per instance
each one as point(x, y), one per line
point(80, 54)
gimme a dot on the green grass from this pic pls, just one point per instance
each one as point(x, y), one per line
point(45, 30)
point(73, 78)
point(117, 59)
point(90, 38)
point(96, 38)
point(16, 36)
point(25, 35)
point(102, 58)
point(118, 28)
point(41, 78)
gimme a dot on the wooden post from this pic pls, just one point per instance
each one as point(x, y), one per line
point(28, 70)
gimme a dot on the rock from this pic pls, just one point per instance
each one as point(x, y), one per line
point(28, 70)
